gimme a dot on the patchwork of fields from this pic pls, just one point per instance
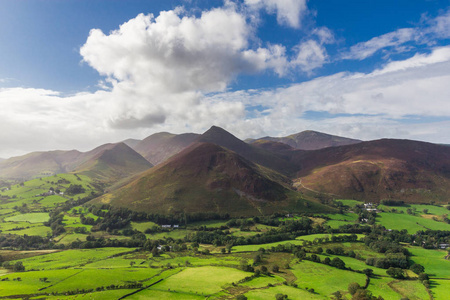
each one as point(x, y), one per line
point(202, 270)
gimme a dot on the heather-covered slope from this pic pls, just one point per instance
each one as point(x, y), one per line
point(160, 146)
point(208, 178)
point(309, 140)
point(384, 169)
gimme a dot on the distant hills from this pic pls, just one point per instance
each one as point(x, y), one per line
point(160, 146)
point(217, 172)
point(308, 140)
point(108, 162)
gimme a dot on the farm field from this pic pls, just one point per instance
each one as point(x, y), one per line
point(411, 223)
point(192, 275)
point(90, 256)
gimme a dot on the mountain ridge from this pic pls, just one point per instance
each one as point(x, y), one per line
point(309, 140)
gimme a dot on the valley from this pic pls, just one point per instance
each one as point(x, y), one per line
point(219, 218)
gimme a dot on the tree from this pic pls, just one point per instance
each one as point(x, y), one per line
point(416, 268)
point(280, 296)
point(395, 273)
point(18, 267)
point(241, 297)
point(423, 276)
point(337, 263)
point(363, 295)
point(368, 272)
point(337, 295)
point(275, 268)
point(353, 287)
point(425, 211)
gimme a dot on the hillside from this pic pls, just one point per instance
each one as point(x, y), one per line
point(39, 164)
point(113, 162)
point(383, 169)
point(221, 137)
point(309, 140)
point(97, 161)
point(131, 142)
point(208, 178)
point(160, 146)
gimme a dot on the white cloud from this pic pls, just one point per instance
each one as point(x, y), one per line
point(160, 67)
point(396, 38)
point(310, 55)
point(366, 106)
point(170, 73)
point(289, 12)
point(426, 33)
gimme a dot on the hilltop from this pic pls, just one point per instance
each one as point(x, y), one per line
point(160, 146)
point(308, 140)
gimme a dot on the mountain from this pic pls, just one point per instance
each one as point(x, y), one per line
point(221, 137)
point(208, 178)
point(112, 162)
point(160, 146)
point(383, 169)
point(39, 164)
point(309, 140)
point(132, 143)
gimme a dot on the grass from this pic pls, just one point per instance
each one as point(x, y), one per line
point(440, 289)
point(413, 290)
point(157, 295)
point(317, 276)
point(142, 226)
point(350, 203)
point(380, 286)
point(175, 234)
point(411, 223)
point(70, 258)
point(293, 293)
point(433, 260)
point(93, 278)
point(202, 280)
point(105, 295)
point(30, 218)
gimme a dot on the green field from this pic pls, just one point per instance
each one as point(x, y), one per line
point(350, 203)
point(411, 223)
point(30, 218)
point(202, 280)
point(317, 276)
point(433, 260)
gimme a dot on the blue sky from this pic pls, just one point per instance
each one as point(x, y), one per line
point(78, 73)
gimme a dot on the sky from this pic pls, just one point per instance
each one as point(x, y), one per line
point(75, 74)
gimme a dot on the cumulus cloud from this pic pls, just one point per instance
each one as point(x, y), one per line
point(310, 55)
point(171, 73)
point(289, 12)
point(160, 67)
